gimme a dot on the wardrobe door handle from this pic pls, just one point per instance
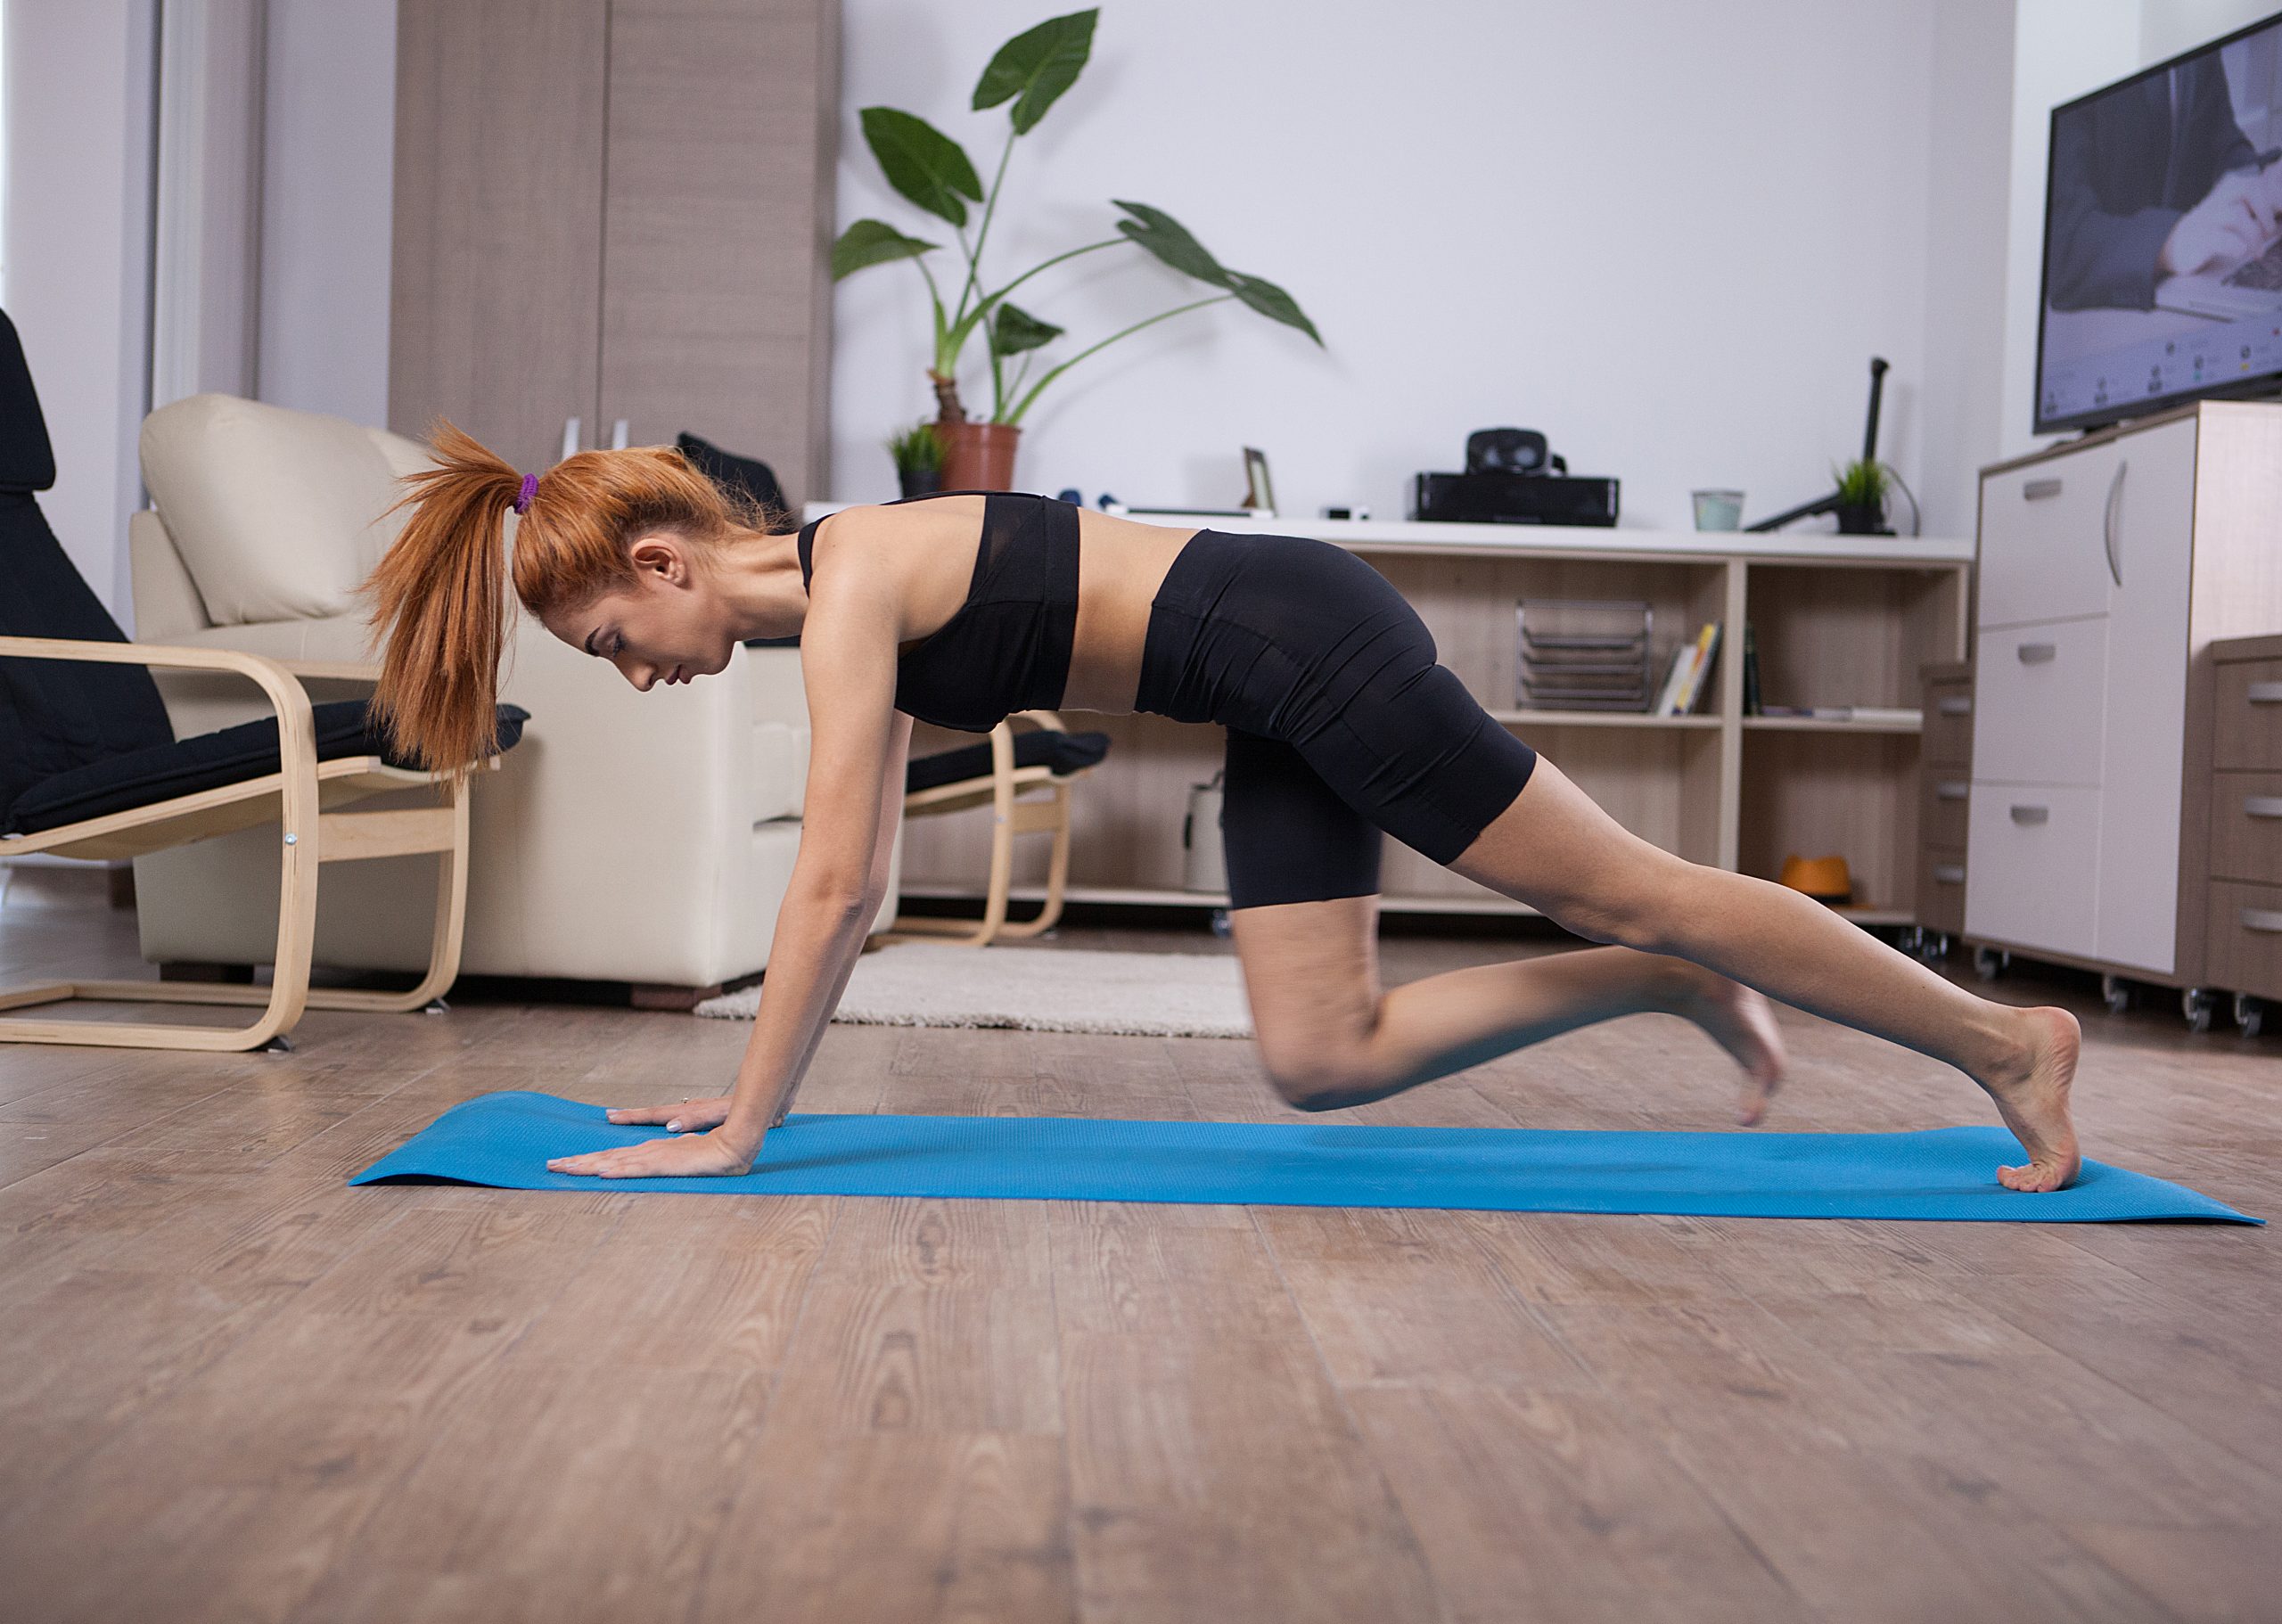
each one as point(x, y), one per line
point(1961, 704)
point(2038, 653)
point(2262, 805)
point(2264, 694)
point(2269, 919)
point(1953, 790)
point(1948, 874)
point(2029, 817)
point(571, 427)
point(2108, 537)
point(2037, 490)
point(618, 435)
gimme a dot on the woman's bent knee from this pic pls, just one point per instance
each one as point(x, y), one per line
point(1316, 1077)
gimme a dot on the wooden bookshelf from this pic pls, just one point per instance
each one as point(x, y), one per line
point(1840, 620)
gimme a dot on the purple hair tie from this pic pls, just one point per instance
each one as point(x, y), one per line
point(524, 496)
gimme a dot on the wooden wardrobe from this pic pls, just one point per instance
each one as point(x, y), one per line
point(616, 210)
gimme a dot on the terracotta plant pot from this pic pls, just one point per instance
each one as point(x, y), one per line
point(978, 455)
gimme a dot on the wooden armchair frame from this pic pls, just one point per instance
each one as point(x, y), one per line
point(299, 797)
point(1010, 816)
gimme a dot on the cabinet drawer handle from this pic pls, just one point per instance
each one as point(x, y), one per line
point(2265, 694)
point(2037, 490)
point(1955, 790)
point(2038, 653)
point(1948, 874)
point(2269, 919)
point(2108, 525)
point(2031, 817)
point(1961, 704)
point(2262, 805)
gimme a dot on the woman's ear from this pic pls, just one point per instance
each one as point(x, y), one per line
point(662, 556)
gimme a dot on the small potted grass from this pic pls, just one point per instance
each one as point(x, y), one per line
point(1862, 498)
point(918, 454)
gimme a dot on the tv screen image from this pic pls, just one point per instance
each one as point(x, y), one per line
point(2162, 239)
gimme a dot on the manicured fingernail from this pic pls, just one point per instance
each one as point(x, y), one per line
point(673, 1127)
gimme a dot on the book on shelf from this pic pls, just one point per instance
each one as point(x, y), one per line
point(1690, 674)
point(1750, 670)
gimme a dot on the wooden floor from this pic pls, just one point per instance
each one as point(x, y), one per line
point(235, 1388)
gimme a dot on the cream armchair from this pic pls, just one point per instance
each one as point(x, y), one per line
point(639, 838)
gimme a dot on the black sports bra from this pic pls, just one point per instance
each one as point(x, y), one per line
point(1007, 647)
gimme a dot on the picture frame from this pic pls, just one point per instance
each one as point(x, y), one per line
point(1259, 494)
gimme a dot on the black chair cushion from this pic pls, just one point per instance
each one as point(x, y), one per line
point(1064, 752)
point(208, 761)
point(740, 475)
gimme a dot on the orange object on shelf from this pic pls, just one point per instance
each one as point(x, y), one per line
point(1825, 878)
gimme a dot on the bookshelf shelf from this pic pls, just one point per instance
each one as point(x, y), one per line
point(1829, 614)
point(1823, 724)
point(1599, 718)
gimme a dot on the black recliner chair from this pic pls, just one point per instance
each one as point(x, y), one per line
point(90, 767)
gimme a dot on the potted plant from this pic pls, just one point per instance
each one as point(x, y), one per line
point(927, 168)
point(918, 454)
point(1861, 498)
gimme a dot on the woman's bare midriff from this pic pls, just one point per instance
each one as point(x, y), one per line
point(1120, 565)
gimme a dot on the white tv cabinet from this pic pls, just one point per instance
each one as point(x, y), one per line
point(1840, 619)
point(2107, 567)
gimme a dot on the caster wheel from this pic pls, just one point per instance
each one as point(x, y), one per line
point(2198, 1005)
point(2250, 1014)
point(1941, 946)
point(1988, 962)
point(2115, 992)
point(1220, 926)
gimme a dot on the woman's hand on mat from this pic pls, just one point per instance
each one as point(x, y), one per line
point(689, 1117)
point(684, 1156)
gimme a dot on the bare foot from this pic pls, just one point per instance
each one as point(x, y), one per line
point(1741, 1021)
point(2032, 1097)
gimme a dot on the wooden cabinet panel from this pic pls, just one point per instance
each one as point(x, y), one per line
point(715, 247)
point(2247, 714)
point(1948, 725)
point(2245, 951)
point(1941, 808)
point(496, 303)
point(2246, 827)
point(2038, 698)
point(1940, 888)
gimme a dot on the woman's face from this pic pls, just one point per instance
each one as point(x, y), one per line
point(669, 625)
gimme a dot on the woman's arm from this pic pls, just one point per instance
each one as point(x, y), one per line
point(848, 651)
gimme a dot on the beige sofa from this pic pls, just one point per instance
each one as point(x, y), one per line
point(639, 838)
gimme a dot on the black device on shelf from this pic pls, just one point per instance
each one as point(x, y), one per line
point(1511, 476)
point(1828, 503)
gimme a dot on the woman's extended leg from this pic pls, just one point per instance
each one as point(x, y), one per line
point(1554, 848)
point(1329, 1037)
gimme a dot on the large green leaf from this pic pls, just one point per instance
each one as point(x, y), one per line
point(1038, 65)
point(1014, 330)
point(921, 162)
point(1272, 302)
point(1168, 239)
point(873, 243)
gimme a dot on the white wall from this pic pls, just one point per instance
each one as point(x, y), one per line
point(1670, 235)
point(79, 103)
point(327, 198)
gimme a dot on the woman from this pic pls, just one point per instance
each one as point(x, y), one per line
point(962, 608)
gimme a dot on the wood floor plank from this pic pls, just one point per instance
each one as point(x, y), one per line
point(239, 1389)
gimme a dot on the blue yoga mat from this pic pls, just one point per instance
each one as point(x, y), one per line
point(505, 1140)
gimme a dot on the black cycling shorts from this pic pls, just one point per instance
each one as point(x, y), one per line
point(1342, 720)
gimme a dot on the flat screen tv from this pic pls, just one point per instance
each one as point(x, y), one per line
point(2163, 237)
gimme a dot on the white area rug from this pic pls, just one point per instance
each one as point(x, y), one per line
point(1042, 989)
